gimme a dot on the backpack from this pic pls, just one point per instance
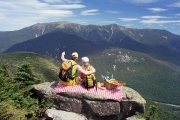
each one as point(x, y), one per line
point(66, 71)
point(89, 80)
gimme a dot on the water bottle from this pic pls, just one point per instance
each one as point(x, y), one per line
point(106, 77)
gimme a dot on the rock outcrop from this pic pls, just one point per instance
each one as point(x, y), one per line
point(87, 106)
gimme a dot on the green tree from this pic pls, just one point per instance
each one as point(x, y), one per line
point(5, 83)
point(17, 100)
point(26, 76)
point(7, 109)
point(151, 112)
point(23, 97)
point(9, 112)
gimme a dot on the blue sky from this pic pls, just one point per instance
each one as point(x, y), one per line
point(151, 14)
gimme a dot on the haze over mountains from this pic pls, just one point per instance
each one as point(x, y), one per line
point(147, 59)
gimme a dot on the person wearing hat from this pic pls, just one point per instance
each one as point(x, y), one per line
point(85, 66)
point(74, 56)
point(76, 67)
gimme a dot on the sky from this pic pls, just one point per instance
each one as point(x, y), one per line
point(141, 14)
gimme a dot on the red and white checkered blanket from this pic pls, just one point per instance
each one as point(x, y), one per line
point(115, 94)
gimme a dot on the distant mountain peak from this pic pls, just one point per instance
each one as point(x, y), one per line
point(62, 24)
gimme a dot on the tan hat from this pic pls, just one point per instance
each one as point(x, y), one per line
point(75, 54)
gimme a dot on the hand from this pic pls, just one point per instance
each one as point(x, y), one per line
point(63, 53)
point(94, 70)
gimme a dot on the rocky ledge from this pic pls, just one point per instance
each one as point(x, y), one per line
point(81, 106)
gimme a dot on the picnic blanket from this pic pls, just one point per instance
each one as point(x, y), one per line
point(114, 94)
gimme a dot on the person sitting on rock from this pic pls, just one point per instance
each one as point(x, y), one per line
point(85, 66)
point(75, 67)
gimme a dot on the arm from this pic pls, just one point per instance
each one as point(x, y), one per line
point(62, 57)
point(79, 68)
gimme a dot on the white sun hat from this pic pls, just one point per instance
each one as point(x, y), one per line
point(85, 59)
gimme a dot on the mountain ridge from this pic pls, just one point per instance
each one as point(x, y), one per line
point(42, 28)
point(157, 43)
point(99, 35)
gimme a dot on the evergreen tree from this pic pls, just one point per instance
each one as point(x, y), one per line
point(7, 110)
point(17, 100)
point(25, 75)
point(24, 79)
point(151, 113)
point(5, 80)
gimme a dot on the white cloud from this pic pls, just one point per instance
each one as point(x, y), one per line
point(71, 6)
point(19, 13)
point(155, 21)
point(153, 17)
point(90, 12)
point(113, 12)
point(23, 9)
point(55, 13)
point(156, 9)
point(62, 1)
point(141, 1)
point(177, 4)
point(128, 19)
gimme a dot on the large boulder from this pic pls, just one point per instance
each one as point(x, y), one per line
point(92, 106)
point(63, 115)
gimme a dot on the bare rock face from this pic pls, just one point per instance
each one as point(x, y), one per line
point(63, 115)
point(91, 106)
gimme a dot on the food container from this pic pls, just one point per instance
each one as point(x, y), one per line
point(112, 84)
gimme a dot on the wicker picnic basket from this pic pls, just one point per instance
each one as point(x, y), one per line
point(112, 84)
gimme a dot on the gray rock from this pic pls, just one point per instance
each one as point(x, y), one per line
point(92, 106)
point(134, 118)
point(63, 115)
